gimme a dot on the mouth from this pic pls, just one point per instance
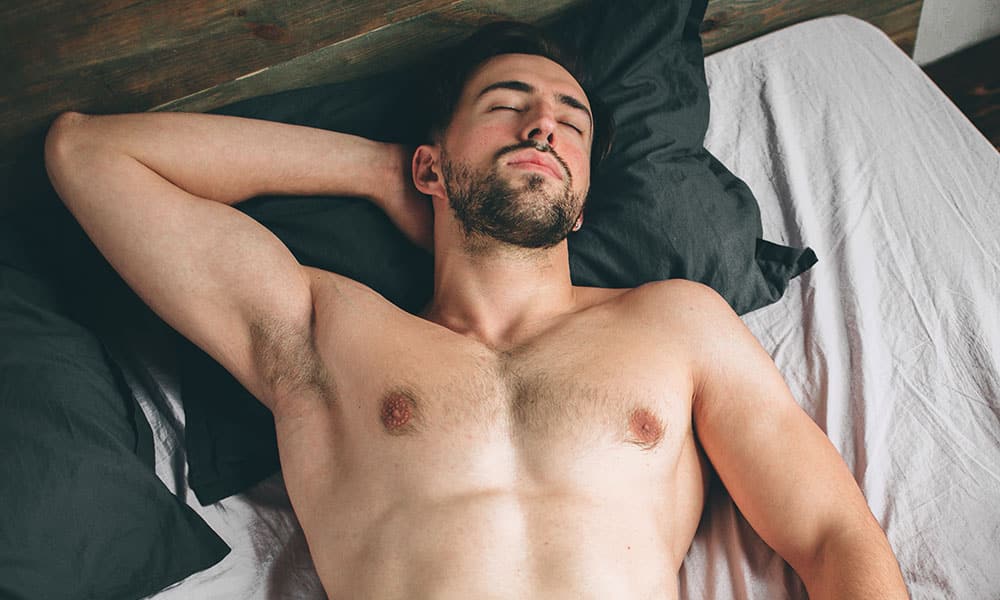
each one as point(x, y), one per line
point(537, 162)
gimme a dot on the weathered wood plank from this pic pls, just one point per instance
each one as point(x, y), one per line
point(132, 55)
point(380, 50)
point(730, 22)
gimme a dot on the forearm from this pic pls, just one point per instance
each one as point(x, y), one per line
point(230, 159)
point(857, 564)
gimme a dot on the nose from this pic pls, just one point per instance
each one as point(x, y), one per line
point(540, 126)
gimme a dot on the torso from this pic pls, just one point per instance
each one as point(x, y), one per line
point(432, 466)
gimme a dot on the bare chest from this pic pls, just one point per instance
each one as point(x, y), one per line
point(436, 446)
point(571, 394)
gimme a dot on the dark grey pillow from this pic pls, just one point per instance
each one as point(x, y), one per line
point(83, 512)
point(660, 207)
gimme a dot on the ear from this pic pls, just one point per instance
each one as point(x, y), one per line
point(579, 222)
point(427, 170)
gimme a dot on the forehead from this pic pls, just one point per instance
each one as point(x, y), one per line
point(538, 71)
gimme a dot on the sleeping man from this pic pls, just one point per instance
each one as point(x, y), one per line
point(521, 437)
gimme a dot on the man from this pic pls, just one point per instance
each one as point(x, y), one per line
point(522, 437)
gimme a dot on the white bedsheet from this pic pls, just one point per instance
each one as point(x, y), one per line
point(891, 342)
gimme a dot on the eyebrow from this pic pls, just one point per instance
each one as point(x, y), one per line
point(520, 86)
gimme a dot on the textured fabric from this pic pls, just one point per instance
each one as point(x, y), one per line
point(660, 207)
point(84, 515)
point(892, 343)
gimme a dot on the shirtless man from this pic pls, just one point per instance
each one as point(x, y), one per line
point(522, 437)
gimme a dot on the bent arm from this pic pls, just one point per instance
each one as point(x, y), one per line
point(782, 471)
point(151, 191)
point(231, 159)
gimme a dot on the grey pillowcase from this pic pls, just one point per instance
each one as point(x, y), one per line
point(84, 514)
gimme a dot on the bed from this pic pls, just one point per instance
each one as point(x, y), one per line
point(891, 342)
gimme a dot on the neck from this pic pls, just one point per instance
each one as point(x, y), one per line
point(499, 294)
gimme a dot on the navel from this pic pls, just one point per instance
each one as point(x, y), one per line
point(398, 413)
point(646, 427)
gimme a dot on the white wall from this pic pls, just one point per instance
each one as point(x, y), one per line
point(947, 26)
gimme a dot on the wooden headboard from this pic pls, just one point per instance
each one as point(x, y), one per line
point(195, 55)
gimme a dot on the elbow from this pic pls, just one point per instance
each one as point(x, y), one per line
point(856, 563)
point(61, 148)
point(58, 140)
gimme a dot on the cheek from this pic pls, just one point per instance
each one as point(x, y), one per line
point(479, 143)
point(579, 162)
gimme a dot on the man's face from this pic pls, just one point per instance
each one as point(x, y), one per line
point(516, 157)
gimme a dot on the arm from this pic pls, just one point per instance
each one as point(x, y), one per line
point(151, 191)
point(779, 467)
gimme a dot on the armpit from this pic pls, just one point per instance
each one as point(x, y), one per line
point(286, 359)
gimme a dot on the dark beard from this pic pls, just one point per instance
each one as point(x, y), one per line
point(488, 205)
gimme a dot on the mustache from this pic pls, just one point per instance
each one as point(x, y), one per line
point(539, 146)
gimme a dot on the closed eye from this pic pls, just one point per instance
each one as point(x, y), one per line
point(515, 109)
point(572, 126)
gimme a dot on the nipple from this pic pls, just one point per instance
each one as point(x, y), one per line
point(397, 412)
point(646, 427)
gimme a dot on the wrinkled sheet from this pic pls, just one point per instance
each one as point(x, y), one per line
point(891, 342)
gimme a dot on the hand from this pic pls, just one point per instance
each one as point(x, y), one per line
point(409, 209)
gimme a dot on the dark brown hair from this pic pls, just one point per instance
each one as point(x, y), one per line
point(449, 72)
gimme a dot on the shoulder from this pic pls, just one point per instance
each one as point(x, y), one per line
point(682, 289)
point(691, 318)
point(688, 302)
point(679, 305)
point(334, 294)
point(347, 312)
point(708, 330)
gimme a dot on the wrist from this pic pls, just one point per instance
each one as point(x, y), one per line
point(390, 164)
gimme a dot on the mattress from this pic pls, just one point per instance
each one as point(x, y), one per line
point(891, 342)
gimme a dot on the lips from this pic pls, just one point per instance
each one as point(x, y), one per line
point(541, 159)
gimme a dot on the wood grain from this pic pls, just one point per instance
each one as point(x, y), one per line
point(108, 56)
point(380, 50)
point(730, 22)
point(134, 55)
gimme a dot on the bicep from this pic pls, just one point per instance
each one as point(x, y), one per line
point(210, 271)
point(779, 467)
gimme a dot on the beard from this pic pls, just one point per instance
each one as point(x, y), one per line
point(531, 213)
